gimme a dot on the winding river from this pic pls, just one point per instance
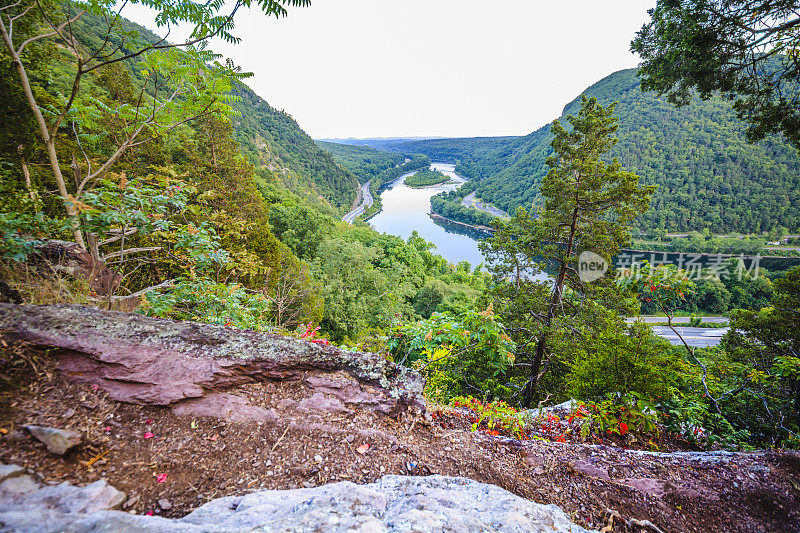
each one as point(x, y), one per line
point(405, 209)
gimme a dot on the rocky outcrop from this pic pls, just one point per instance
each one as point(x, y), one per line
point(393, 503)
point(154, 361)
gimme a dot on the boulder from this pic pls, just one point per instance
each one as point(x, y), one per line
point(58, 441)
point(229, 407)
point(393, 503)
point(145, 360)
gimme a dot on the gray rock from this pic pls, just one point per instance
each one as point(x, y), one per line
point(97, 496)
point(531, 414)
point(9, 471)
point(58, 441)
point(19, 484)
point(130, 502)
point(394, 503)
point(24, 492)
point(165, 504)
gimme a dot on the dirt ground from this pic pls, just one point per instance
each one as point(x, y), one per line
point(205, 458)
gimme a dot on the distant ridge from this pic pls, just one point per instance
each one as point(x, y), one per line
point(707, 174)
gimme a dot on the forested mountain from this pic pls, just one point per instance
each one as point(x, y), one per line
point(271, 139)
point(362, 161)
point(274, 141)
point(707, 174)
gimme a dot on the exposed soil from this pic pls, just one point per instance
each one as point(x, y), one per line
point(205, 458)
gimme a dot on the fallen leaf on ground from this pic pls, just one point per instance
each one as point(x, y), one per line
point(215, 437)
point(363, 448)
point(161, 478)
point(148, 435)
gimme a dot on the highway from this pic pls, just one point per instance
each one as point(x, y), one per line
point(699, 337)
point(654, 319)
point(471, 201)
point(366, 201)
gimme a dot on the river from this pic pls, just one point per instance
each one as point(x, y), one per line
point(405, 209)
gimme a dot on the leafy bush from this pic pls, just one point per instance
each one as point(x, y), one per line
point(208, 301)
point(456, 353)
point(622, 359)
point(496, 416)
point(619, 414)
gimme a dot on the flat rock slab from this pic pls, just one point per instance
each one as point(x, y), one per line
point(145, 360)
point(393, 503)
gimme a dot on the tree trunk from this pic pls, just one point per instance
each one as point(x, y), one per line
point(48, 140)
point(797, 403)
point(25, 172)
point(530, 393)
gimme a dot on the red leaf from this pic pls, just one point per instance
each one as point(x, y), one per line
point(363, 448)
point(623, 428)
point(148, 435)
point(161, 478)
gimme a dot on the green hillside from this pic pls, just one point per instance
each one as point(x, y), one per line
point(275, 142)
point(364, 162)
point(708, 175)
point(271, 139)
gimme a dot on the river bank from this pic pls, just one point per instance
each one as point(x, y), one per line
point(439, 218)
point(406, 210)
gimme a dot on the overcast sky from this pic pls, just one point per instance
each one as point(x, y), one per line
point(455, 68)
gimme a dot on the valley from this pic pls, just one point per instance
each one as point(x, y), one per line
point(211, 320)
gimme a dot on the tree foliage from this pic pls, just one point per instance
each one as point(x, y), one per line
point(589, 205)
point(747, 51)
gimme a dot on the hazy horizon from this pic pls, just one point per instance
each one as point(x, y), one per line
point(364, 69)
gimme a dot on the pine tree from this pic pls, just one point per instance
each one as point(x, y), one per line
point(588, 206)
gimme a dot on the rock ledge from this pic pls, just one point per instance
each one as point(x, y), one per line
point(393, 503)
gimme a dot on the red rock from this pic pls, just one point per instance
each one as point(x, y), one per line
point(154, 361)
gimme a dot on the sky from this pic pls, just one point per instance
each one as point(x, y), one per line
point(415, 68)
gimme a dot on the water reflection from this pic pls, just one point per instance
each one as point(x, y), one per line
point(406, 209)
